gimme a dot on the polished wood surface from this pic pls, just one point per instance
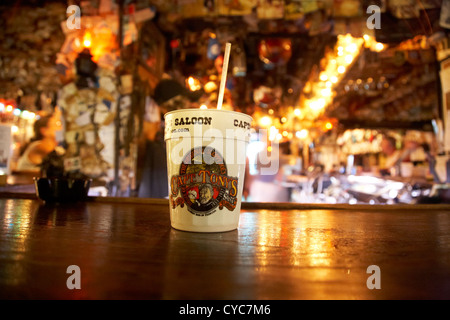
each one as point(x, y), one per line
point(126, 249)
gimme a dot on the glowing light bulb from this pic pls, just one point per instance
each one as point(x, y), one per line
point(352, 48)
point(297, 112)
point(348, 59)
point(379, 47)
point(341, 69)
point(272, 133)
point(194, 84)
point(321, 103)
point(265, 121)
point(318, 104)
point(326, 92)
point(203, 106)
point(302, 134)
point(313, 105)
point(87, 40)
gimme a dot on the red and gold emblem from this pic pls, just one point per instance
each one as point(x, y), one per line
point(203, 183)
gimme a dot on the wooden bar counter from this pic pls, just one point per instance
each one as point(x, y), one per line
point(126, 249)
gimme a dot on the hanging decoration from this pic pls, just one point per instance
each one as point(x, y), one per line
point(275, 51)
point(213, 48)
point(239, 62)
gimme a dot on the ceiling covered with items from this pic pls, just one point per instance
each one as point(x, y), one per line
point(285, 60)
point(281, 49)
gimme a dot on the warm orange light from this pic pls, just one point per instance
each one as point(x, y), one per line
point(348, 59)
point(194, 84)
point(9, 108)
point(87, 39)
point(317, 105)
point(265, 121)
point(379, 47)
point(100, 43)
point(326, 92)
point(273, 132)
point(210, 86)
point(352, 48)
point(302, 134)
point(328, 126)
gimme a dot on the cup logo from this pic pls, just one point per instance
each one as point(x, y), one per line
point(203, 184)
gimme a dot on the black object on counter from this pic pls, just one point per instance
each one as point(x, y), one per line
point(62, 189)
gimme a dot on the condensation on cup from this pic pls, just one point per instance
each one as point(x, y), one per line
point(206, 158)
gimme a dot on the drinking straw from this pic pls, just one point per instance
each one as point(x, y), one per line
point(224, 75)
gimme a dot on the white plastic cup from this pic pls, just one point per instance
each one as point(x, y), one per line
point(206, 157)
